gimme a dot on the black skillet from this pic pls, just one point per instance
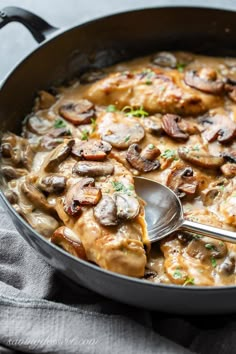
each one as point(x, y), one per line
point(97, 44)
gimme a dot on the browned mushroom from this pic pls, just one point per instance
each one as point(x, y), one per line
point(11, 196)
point(17, 150)
point(204, 79)
point(200, 159)
point(83, 192)
point(229, 156)
point(59, 154)
point(229, 170)
point(78, 112)
point(52, 183)
point(219, 127)
point(95, 150)
point(172, 128)
point(209, 194)
point(106, 211)
point(140, 163)
point(69, 241)
point(153, 125)
point(206, 247)
point(93, 168)
point(38, 125)
point(10, 172)
point(37, 198)
point(150, 152)
point(182, 181)
point(127, 206)
point(44, 100)
point(228, 266)
point(121, 135)
point(54, 138)
point(165, 59)
point(91, 76)
point(230, 88)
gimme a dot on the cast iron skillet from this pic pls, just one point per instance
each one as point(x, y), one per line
point(96, 44)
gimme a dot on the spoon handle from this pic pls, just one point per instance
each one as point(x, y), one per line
point(206, 230)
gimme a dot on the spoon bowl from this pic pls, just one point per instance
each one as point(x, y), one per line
point(164, 213)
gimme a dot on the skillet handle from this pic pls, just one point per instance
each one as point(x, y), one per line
point(39, 28)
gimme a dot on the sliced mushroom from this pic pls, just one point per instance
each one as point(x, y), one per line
point(11, 196)
point(150, 152)
point(59, 154)
point(10, 172)
point(69, 241)
point(93, 168)
point(229, 170)
point(230, 88)
point(120, 132)
point(52, 183)
point(106, 211)
point(127, 206)
point(200, 159)
point(54, 138)
point(95, 150)
point(17, 149)
point(165, 59)
point(172, 128)
point(204, 79)
point(227, 267)
point(209, 194)
point(79, 112)
point(182, 181)
point(44, 100)
point(219, 127)
point(229, 156)
point(91, 76)
point(206, 247)
point(140, 163)
point(83, 192)
point(153, 125)
point(37, 198)
point(38, 125)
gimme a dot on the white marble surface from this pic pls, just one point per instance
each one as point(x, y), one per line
point(16, 41)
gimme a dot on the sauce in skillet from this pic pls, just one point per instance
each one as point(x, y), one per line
point(169, 117)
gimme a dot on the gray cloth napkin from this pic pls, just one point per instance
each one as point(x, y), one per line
point(41, 312)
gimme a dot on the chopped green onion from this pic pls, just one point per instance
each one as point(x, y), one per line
point(59, 123)
point(84, 134)
point(177, 274)
point(209, 246)
point(93, 124)
point(127, 138)
point(189, 281)
point(130, 111)
point(213, 262)
point(180, 67)
point(111, 108)
point(169, 154)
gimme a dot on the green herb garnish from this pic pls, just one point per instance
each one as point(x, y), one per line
point(111, 108)
point(169, 154)
point(209, 246)
point(151, 146)
point(130, 111)
point(196, 148)
point(148, 82)
point(93, 124)
point(189, 281)
point(59, 123)
point(127, 138)
point(213, 262)
point(84, 134)
point(120, 187)
point(180, 67)
point(177, 274)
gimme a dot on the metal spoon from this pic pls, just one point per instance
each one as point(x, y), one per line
point(164, 213)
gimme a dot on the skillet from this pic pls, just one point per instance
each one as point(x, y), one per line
point(62, 55)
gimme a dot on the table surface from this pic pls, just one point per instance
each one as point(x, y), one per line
point(16, 41)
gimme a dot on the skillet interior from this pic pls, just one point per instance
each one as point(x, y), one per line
point(92, 45)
